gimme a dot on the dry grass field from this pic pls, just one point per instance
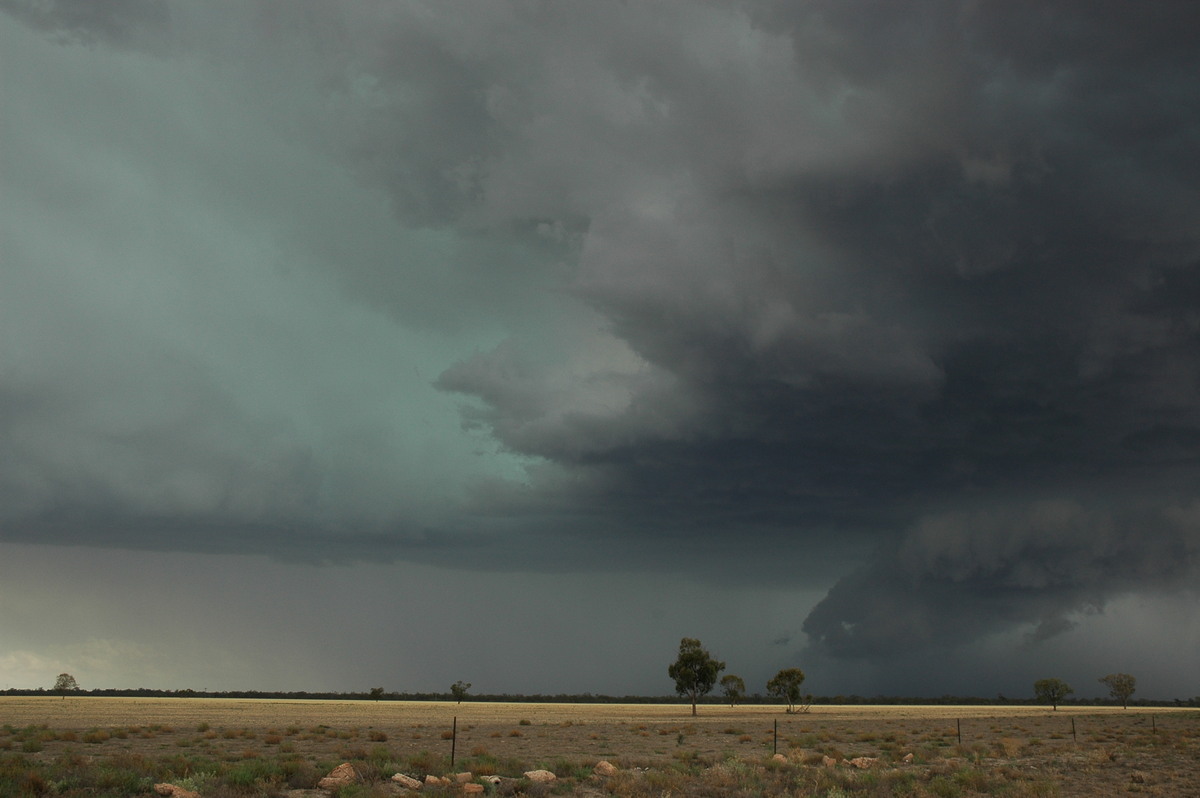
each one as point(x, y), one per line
point(274, 747)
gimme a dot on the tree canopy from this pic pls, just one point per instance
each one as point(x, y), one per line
point(695, 670)
point(734, 688)
point(1120, 686)
point(65, 683)
point(1051, 691)
point(786, 685)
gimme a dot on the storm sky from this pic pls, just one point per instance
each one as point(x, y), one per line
point(361, 343)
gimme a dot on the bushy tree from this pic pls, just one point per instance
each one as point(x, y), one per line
point(1051, 691)
point(377, 693)
point(65, 683)
point(1120, 686)
point(694, 671)
point(734, 688)
point(459, 690)
point(786, 685)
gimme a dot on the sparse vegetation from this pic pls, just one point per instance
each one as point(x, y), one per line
point(1015, 751)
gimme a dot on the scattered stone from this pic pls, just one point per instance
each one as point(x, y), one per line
point(908, 758)
point(341, 776)
point(604, 768)
point(864, 762)
point(472, 789)
point(828, 761)
point(463, 778)
point(174, 791)
point(436, 781)
point(492, 780)
point(542, 776)
point(779, 758)
point(1137, 777)
point(406, 781)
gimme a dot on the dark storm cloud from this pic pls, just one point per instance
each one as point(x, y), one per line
point(968, 271)
point(795, 280)
point(958, 575)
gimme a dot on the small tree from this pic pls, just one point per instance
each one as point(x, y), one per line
point(695, 671)
point(734, 687)
point(65, 683)
point(377, 693)
point(786, 685)
point(1051, 691)
point(1120, 686)
point(459, 690)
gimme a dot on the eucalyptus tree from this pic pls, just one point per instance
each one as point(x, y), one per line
point(695, 670)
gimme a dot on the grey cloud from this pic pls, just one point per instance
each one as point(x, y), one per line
point(958, 577)
point(134, 24)
point(792, 277)
point(612, 401)
point(955, 286)
point(1050, 628)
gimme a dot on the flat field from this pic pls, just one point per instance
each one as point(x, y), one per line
point(955, 750)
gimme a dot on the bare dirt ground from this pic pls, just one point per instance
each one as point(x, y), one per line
point(1083, 751)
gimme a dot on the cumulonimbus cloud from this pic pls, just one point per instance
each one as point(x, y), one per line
point(817, 270)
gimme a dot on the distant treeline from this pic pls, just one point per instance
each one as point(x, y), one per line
point(590, 698)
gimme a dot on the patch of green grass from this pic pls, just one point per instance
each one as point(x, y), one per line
point(426, 762)
point(944, 787)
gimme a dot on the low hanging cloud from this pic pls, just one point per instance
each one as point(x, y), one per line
point(573, 276)
point(961, 576)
